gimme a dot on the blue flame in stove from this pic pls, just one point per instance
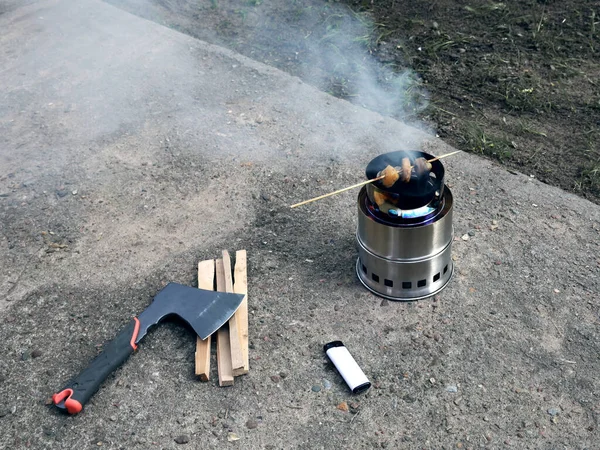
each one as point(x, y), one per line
point(419, 212)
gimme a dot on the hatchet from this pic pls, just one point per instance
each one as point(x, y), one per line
point(205, 311)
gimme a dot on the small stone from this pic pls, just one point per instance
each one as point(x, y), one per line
point(74, 192)
point(498, 263)
point(409, 398)
point(343, 407)
point(48, 401)
point(384, 302)
point(183, 439)
point(251, 424)
point(316, 388)
point(283, 374)
point(231, 437)
point(465, 237)
point(494, 222)
point(61, 192)
point(432, 380)
point(113, 418)
point(4, 412)
point(556, 291)
point(471, 233)
point(327, 384)
point(452, 388)
point(275, 378)
point(36, 353)
point(25, 356)
point(553, 411)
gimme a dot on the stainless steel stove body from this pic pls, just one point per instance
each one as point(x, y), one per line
point(405, 232)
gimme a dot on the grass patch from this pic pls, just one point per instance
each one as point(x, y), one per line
point(479, 140)
point(526, 93)
point(589, 179)
point(525, 128)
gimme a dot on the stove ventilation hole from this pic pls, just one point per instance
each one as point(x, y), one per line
point(445, 269)
point(364, 268)
point(375, 278)
point(436, 277)
point(421, 283)
point(406, 285)
point(388, 283)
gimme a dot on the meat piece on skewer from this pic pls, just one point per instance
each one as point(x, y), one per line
point(422, 167)
point(406, 170)
point(390, 175)
point(379, 197)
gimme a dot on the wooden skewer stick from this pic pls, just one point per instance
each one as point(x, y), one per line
point(339, 191)
point(443, 156)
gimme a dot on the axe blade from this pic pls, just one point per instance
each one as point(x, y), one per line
point(205, 311)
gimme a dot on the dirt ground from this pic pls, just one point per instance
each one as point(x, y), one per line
point(118, 142)
point(513, 81)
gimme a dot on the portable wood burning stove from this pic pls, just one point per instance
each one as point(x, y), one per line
point(405, 231)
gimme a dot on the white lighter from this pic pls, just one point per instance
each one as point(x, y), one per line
point(345, 364)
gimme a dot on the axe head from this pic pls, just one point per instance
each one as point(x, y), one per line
point(205, 311)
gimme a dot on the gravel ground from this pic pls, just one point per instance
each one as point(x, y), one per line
point(129, 152)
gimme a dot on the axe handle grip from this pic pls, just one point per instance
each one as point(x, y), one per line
point(79, 390)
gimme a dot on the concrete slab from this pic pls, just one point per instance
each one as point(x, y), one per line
point(129, 152)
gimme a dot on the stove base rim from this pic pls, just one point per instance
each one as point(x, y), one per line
point(402, 299)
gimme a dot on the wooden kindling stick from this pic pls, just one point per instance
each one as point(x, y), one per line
point(339, 191)
point(240, 286)
point(235, 335)
point(206, 279)
point(224, 363)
